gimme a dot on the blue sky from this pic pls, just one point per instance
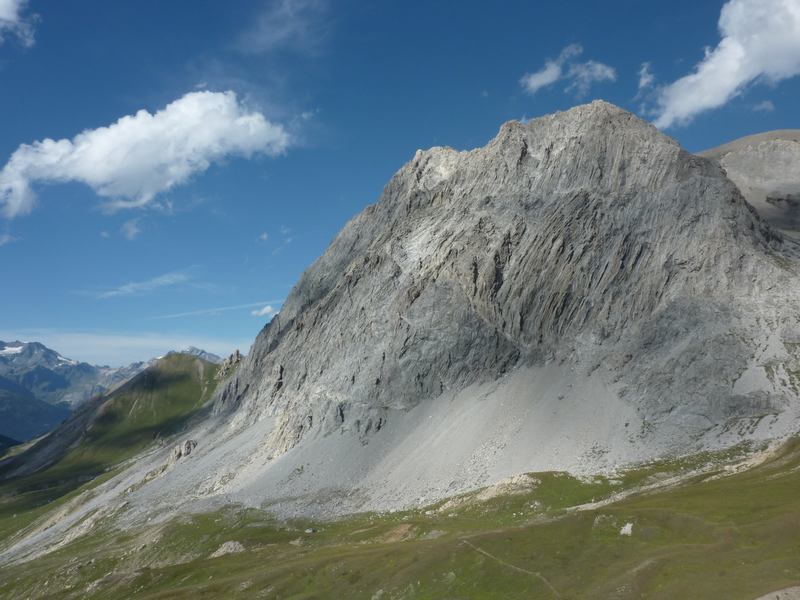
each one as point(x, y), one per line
point(269, 124)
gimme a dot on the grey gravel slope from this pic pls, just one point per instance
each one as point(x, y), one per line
point(578, 294)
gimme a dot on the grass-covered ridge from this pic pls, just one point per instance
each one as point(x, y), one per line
point(719, 533)
point(148, 409)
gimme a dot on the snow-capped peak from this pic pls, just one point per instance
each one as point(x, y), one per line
point(10, 350)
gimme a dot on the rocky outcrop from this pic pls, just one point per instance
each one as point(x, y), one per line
point(228, 366)
point(182, 450)
point(232, 547)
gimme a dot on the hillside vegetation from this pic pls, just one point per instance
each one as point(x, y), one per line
point(695, 528)
point(151, 407)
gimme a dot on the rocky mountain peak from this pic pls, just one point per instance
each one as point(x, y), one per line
point(580, 228)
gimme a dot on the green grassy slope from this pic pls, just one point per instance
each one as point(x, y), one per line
point(153, 405)
point(714, 535)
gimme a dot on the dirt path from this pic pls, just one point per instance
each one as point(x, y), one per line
point(515, 567)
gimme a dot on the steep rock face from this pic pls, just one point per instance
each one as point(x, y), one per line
point(586, 235)
point(766, 168)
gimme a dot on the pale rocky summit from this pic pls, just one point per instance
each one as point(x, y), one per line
point(586, 236)
point(200, 353)
point(766, 168)
point(578, 294)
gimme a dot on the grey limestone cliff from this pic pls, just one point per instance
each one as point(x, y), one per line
point(586, 236)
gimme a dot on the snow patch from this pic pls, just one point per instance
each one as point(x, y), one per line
point(9, 350)
point(627, 529)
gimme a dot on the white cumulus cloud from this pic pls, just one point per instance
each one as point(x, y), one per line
point(140, 156)
point(580, 75)
point(760, 43)
point(12, 21)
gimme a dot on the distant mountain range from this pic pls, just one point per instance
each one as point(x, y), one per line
point(151, 406)
point(207, 356)
point(6, 442)
point(39, 387)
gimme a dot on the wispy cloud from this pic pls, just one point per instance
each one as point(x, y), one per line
point(764, 106)
point(286, 239)
point(263, 237)
point(760, 43)
point(14, 21)
point(263, 312)
point(143, 287)
point(130, 229)
point(298, 25)
point(214, 311)
point(579, 75)
point(552, 71)
point(6, 238)
point(646, 77)
point(140, 156)
point(583, 75)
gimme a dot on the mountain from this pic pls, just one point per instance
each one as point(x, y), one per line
point(22, 415)
point(107, 430)
point(766, 168)
point(580, 295)
point(6, 442)
point(57, 380)
point(39, 387)
point(207, 356)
